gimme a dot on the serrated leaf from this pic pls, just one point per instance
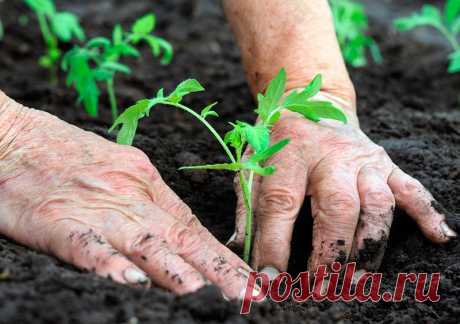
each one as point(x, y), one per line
point(184, 88)
point(66, 26)
point(429, 15)
point(275, 90)
point(317, 110)
point(98, 42)
point(258, 136)
point(144, 25)
point(451, 10)
point(272, 150)
point(234, 137)
point(129, 120)
point(207, 111)
point(116, 67)
point(117, 35)
point(454, 62)
point(45, 7)
point(456, 26)
point(260, 170)
point(220, 166)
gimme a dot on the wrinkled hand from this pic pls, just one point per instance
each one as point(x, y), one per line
point(353, 185)
point(103, 207)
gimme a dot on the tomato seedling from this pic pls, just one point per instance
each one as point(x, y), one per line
point(99, 60)
point(351, 23)
point(55, 26)
point(1, 30)
point(447, 23)
point(269, 109)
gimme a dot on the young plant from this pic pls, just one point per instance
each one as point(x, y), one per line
point(269, 109)
point(1, 30)
point(447, 23)
point(351, 23)
point(99, 60)
point(55, 26)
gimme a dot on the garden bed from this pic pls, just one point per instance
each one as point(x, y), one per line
point(409, 105)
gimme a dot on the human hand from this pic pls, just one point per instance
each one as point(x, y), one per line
point(353, 185)
point(103, 207)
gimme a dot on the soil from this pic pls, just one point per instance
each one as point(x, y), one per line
point(409, 105)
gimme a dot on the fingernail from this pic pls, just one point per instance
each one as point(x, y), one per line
point(231, 239)
point(135, 276)
point(357, 275)
point(271, 271)
point(447, 230)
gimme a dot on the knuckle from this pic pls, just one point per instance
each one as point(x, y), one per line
point(336, 203)
point(182, 239)
point(279, 200)
point(378, 200)
point(289, 127)
point(141, 162)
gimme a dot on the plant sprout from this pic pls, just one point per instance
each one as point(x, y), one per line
point(448, 24)
point(269, 109)
point(55, 26)
point(98, 61)
point(351, 23)
point(1, 30)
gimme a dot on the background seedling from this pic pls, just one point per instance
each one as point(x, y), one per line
point(269, 109)
point(55, 26)
point(447, 23)
point(1, 30)
point(351, 24)
point(98, 60)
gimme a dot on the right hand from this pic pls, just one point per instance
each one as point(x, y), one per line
point(103, 207)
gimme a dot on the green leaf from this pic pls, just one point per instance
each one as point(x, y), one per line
point(116, 67)
point(98, 42)
point(263, 171)
point(144, 25)
point(258, 136)
point(129, 121)
point(296, 97)
point(234, 137)
point(272, 150)
point(159, 45)
point(456, 26)
point(117, 35)
point(45, 7)
point(270, 101)
point(429, 16)
point(221, 166)
point(317, 110)
point(454, 64)
point(207, 111)
point(184, 88)
point(66, 26)
point(451, 10)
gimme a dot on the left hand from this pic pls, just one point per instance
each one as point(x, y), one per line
point(354, 187)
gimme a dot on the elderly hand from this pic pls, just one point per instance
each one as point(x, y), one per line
point(353, 186)
point(102, 207)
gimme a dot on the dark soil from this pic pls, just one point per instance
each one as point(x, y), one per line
point(409, 105)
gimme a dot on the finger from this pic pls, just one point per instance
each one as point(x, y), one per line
point(373, 230)
point(87, 249)
point(150, 251)
point(420, 205)
point(173, 205)
point(335, 210)
point(176, 256)
point(280, 198)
